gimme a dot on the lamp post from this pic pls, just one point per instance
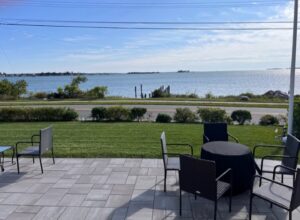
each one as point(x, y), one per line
point(293, 69)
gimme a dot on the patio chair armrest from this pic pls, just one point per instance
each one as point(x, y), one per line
point(187, 145)
point(35, 135)
point(266, 146)
point(274, 156)
point(272, 181)
point(226, 172)
point(285, 167)
point(233, 137)
point(206, 138)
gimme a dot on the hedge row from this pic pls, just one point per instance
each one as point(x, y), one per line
point(118, 113)
point(37, 114)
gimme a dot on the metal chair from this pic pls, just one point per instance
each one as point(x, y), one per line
point(289, 157)
point(170, 163)
point(279, 194)
point(216, 132)
point(198, 176)
point(37, 148)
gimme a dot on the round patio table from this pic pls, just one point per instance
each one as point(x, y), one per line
point(232, 155)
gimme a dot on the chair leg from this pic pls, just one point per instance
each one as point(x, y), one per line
point(260, 180)
point(216, 209)
point(230, 199)
point(41, 164)
point(32, 159)
point(290, 215)
point(18, 164)
point(282, 178)
point(165, 181)
point(13, 154)
point(250, 207)
point(180, 203)
point(53, 156)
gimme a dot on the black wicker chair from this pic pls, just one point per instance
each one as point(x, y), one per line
point(289, 157)
point(171, 160)
point(37, 148)
point(198, 177)
point(216, 132)
point(279, 194)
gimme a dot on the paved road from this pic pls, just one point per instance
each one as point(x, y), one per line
point(152, 110)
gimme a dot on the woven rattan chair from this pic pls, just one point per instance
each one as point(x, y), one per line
point(198, 177)
point(216, 132)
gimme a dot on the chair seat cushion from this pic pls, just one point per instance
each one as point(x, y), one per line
point(173, 163)
point(222, 188)
point(33, 150)
point(275, 193)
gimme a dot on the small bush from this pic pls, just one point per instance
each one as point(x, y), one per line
point(137, 113)
point(212, 115)
point(268, 120)
point(241, 116)
point(184, 115)
point(296, 124)
point(37, 114)
point(99, 113)
point(40, 95)
point(163, 118)
point(118, 113)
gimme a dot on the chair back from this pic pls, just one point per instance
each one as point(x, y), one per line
point(295, 201)
point(215, 132)
point(292, 150)
point(164, 149)
point(46, 142)
point(198, 176)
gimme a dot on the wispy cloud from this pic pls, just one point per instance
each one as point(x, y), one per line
point(197, 50)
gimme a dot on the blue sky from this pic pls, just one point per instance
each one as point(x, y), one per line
point(32, 49)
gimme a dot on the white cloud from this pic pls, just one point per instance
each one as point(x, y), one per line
point(198, 50)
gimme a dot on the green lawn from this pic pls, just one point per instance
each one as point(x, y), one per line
point(91, 139)
point(166, 101)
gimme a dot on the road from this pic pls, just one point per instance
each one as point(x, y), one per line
point(152, 110)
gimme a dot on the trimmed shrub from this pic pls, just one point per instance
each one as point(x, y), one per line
point(137, 113)
point(163, 118)
point(268, 120)
point(37, 114)
point(184, 115)
point(118, 113)
point(296, 124)
point(241, 116)
point(212, 115)
point(40, 95)
point(99, 113)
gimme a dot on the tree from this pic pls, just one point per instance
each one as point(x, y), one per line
point(97, 92)
point(72, 90)
point(12, 90)
point(241, 116)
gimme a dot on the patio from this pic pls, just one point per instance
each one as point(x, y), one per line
point(110, 189)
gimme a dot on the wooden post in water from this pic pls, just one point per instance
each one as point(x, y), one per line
point(142, 95)
point(135, 92)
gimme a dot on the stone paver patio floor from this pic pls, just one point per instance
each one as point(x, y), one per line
point(110, 189)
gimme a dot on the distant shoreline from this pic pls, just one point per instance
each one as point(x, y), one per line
point(42, 74)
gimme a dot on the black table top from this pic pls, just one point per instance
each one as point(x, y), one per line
point(226, 148)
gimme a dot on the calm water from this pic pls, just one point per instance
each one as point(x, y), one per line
point(219, 83)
